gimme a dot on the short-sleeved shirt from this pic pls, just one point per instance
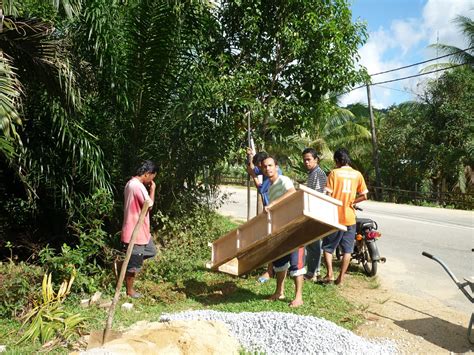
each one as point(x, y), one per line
point(344, 184)
point(135, 195)
point(316, 179)
point(263, 189)
point(279, 187)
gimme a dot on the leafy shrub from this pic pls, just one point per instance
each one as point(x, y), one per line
point(184, 242)
point(91, 253)
point(48, 319)
point(17, 289)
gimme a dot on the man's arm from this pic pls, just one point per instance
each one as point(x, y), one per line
point(251, 168)
point(360, 198)
point(152, 192)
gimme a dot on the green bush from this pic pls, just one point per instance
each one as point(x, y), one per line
point(184, 243)
point(19, 287)
point(92, 252)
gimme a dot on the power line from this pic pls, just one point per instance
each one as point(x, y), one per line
point(417, 75)
point(404, 78)
point(405, 91)
point(423, 62)
point(389, 88)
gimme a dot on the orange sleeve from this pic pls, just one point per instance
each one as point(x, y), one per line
point(362, 187)
point(330, 183)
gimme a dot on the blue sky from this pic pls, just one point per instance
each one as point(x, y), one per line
point(400, 32)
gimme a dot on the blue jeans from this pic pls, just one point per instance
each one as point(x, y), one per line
point(313, 257)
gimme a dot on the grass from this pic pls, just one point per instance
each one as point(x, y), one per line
point(202, 289)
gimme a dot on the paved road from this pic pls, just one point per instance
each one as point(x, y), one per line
point(406, 232)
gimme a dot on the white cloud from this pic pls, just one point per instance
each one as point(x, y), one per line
point(438, 18)
point(394, 47)
point(372, 57)
point(408, 33)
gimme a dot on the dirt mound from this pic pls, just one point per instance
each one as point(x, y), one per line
point(176, 337)
point(417, 324)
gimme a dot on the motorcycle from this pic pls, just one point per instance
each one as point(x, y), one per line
point(365, 246)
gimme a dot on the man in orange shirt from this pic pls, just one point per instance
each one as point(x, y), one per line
point(348, 186)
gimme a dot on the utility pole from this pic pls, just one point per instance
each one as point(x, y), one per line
point(375, 150)
point(249, 139)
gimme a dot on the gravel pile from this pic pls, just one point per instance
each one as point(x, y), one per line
point(286, 333)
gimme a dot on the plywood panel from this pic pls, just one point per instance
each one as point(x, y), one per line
point(255, 230)
point(295, 221)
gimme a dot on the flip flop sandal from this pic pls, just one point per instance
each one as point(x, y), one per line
point(325, 281)
point(136, 295)
point(262, 279)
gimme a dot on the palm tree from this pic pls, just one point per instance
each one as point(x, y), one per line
point(457, 55)
point(34, 61)
point(339, 127)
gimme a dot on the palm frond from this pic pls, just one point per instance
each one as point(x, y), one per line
point(10, 97)
point(457, 55)
point(36, 56)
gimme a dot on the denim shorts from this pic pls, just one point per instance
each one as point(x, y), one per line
point(343, 238)
point(140, 252)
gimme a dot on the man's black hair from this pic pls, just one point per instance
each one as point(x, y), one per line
point(146, 166)
point(272, 157)
point(311, 151)
point(259, 157)
point(341, 157)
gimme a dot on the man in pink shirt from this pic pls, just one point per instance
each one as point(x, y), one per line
point(135, 195)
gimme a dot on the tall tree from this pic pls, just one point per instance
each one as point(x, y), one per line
point(287, 55)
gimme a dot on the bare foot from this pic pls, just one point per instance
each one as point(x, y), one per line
point(295, 303)
point(276, 297)
point(338, 281)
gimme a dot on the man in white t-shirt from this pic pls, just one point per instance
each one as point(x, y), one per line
point(281, 187)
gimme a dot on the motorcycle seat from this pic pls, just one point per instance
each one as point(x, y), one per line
point(363, 223)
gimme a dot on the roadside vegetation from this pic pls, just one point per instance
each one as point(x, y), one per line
point(176, 281)
point(90, 88)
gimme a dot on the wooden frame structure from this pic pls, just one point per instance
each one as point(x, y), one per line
point(296, 220)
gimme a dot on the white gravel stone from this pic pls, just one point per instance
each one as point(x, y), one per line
point(287, 333)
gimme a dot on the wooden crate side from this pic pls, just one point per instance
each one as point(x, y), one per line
point(319, 195)
point(282, 243)
point(231, 267)
point(320, 209)
point(284, 213)
point(224, 248)
point(254, 231)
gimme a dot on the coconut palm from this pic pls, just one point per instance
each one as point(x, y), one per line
point(338, 127)
point(35, 66)
point(457, 55)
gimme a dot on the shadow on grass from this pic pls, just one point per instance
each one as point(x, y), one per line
point(449, 336)
point(217, 293)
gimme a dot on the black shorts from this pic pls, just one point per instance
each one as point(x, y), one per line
point(140, 252)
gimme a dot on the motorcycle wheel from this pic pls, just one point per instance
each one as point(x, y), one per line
point(370, 266)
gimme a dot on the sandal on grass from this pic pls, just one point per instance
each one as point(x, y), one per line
point(325, 281)
point(263, 279)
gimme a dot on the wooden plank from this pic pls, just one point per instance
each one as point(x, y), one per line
point(288, 239)
point(295, 221)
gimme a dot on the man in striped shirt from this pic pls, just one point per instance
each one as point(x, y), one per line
point(281, 187)
point(316, 181)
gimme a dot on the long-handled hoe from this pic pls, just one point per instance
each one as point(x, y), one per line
point(105, 335)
